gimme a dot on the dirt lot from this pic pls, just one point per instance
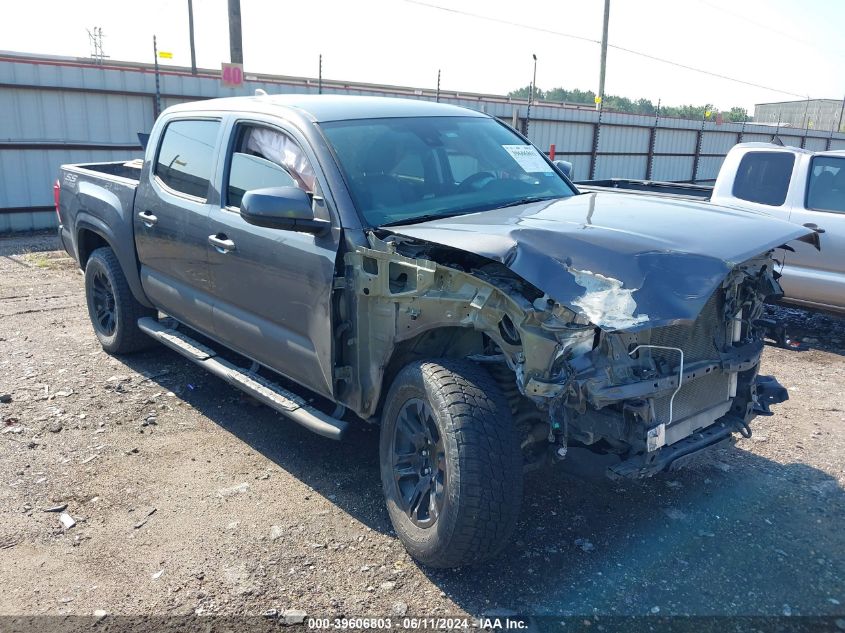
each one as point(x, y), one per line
point(187, 498)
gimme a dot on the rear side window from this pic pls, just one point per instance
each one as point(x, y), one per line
point(826, 186)
point(763, 177)
point(186, 156)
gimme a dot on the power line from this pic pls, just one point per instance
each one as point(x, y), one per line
point(772, 29)
point(706, 72)
point(630, 51)
point(505, 22)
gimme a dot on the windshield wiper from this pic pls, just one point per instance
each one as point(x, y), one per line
point(487, 207)
point(424, 218)
point(527, 200)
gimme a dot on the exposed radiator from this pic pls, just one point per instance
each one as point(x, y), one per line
point(700, 341)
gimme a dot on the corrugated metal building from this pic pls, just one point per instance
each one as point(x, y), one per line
point(66, 110)
point(815, 114)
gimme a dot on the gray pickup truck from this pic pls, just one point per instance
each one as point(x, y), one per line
point(425, 268)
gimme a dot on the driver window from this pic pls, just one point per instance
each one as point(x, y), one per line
point(264, 157)
point(410, 168)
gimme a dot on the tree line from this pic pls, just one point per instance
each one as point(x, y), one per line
point(624, 104)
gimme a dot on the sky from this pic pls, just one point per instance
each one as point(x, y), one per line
point(791, 49)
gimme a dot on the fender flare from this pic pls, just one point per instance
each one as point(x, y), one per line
point(128, 261)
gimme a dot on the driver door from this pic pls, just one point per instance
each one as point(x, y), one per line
point(273, 287)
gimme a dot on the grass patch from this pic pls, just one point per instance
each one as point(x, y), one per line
point(49, 260)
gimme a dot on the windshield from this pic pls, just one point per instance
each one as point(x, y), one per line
point(406, 169)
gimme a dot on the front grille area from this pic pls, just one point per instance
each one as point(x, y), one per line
point(697, 340)
point(694, 397)
point(700, 341)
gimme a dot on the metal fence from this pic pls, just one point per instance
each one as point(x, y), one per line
point(62, 110)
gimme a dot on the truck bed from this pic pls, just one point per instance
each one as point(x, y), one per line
point(681, 190)
point(130, 170)
point(96, 207)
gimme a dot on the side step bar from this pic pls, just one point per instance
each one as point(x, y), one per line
point(263, 390)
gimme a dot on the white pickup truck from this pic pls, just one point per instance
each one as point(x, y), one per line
point(798, 185)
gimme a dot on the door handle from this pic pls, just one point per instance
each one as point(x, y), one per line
point(147, 218)
point(222, 243)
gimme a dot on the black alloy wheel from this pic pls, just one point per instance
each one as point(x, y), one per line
point(418, 456)
point(451, 464)
point(113, 309)
point(105, 314)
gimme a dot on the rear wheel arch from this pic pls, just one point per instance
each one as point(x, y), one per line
point(90, 237)
point(87, 241)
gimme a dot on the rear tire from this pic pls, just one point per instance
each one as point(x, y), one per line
point(113, 309)
point(451, 465)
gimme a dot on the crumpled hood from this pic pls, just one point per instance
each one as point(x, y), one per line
point(624, 261)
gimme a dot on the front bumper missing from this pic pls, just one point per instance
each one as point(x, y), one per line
point(719, 434)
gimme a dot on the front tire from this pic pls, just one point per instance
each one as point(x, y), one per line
point(113, 309)
point(451, 465)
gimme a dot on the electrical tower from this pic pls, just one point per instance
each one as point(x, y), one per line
point(95, 36)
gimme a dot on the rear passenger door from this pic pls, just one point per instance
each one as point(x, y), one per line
point(273, 287)
point(171, 220)
point(819, 276)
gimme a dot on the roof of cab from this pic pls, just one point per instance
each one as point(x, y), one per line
point(774, 147)
point(321, 108)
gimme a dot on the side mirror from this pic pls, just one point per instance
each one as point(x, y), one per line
point(286, 208)
point(565, 166)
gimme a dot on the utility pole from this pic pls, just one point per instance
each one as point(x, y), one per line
point(531, 96)
point(806, 123)
point(437, 96)
point(603, 64)
point(838, 127)
point(320, 76)
point(805, 119)
point(157, 102)
point(191, 32)
point(236, 46)
point(841, 115)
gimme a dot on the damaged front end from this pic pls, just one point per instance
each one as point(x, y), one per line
point(656, 396)
point(644, 397)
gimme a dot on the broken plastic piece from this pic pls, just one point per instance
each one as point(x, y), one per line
point(66, 520)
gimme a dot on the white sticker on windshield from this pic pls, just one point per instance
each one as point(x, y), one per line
point(528, 158)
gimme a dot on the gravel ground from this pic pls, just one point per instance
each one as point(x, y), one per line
point(188, 499)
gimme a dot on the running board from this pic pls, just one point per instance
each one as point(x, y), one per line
point(273, 395)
